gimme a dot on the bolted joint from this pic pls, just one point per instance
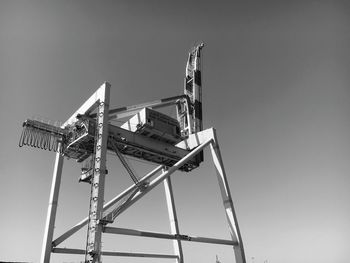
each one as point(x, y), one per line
point(182, 237)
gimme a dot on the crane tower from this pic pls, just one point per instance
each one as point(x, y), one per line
point(174, 144)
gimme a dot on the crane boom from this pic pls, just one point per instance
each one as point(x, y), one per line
point(190, 115)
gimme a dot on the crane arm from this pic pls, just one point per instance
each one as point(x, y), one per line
point(127, 111)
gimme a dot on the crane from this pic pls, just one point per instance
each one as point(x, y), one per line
point(146, 134)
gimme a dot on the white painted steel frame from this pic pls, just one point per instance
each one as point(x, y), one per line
point(128, 111)
point(174, 225)
point(52, 209)
point(101, 95)
point(175, 237)
point(227, 201)
point(94, 237)
point(108, 205)
point(197, 142)
point(112, 253)
point(164, 175)
point(151, 185)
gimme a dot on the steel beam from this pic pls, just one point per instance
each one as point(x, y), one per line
point(139, 233)
point(158, 151)
point(89, 105)
point(51, 212)
point(94, 237)
point(227, 201)
point(174, 225)
point(112, 253)
point(128, 111)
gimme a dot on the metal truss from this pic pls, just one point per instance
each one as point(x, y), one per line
point(101, 215)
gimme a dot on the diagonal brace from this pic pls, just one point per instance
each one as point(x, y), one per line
point(140, 194)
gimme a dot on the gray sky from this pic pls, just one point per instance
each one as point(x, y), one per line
point(275, 86)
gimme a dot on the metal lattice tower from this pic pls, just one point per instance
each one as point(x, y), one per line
point(173, 144)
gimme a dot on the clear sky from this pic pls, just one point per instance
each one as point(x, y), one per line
point(275, 86)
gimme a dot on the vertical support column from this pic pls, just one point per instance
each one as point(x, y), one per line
point(174, 226)
point(197, 96)
point(192, 121)
point(51, 212)
point(93, 253)
point(197, 90)
point(227, 201)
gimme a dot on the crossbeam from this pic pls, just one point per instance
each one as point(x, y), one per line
point(139, 233)
point(127, 111)
point(152, 150)
point(113, 253)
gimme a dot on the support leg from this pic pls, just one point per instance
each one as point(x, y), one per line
point(93, 246)
point(51, 212)
point(227, 202)
point(174, 226)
